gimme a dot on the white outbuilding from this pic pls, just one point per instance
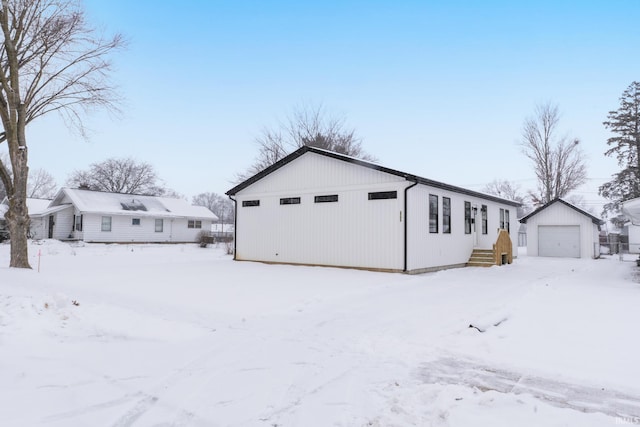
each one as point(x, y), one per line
point(561, 229)
point(317, 207)
point(631, 208)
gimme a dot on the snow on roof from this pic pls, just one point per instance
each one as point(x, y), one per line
point(88, 201)
point(35, 206)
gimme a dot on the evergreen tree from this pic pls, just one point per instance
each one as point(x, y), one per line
point(624, 123)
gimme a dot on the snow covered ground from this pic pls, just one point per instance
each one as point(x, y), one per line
point(177, 335)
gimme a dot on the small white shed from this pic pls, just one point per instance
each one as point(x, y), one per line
point(560, 229)
point(631, 208)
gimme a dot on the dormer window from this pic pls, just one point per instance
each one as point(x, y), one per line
point(133, 205)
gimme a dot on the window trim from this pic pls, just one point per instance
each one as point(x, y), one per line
point(329, 198)
point(433, 213)
point(250, 203)
point(467, 217)
point(194, 223)
point(290, 201)
point(161, 225)
point(103, 223)
point(383, 195)
point(446, 215)
point(484, 218)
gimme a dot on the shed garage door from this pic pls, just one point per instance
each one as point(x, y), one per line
point(559, 241)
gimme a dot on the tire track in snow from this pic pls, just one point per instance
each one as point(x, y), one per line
point(557, 393)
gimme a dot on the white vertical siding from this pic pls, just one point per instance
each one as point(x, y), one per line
point(353, 232)
point(434, 250)
point(560, 214)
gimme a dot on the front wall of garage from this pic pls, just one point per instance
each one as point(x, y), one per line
point(563, 217)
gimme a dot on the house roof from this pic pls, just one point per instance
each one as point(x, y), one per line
point(409, 177)
point(89, 201)
point(36, 207)
point(594, 219)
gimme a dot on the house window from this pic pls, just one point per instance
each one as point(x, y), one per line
point(250, 203)
point(78, 223)
point(433, 213)
point(380, 195)
point(159, 225)
point(446, 215)
point(135, 221)
point(290, 201)
point(194, 223)
point(501, 218)
point(467, 217)
point(106, 223)
point(506, 220)
point(326, 199)
point(483, 210)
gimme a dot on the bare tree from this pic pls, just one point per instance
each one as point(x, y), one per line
point(41, 184)
point(119, 175)
point(309, 125)
point(50, 60)
point(219, 205)
point(558, 161)
point(508, 190)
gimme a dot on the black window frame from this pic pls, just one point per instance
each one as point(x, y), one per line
point(467, 217)
point(383, 195)
point(484, 218)
point(328, 198)
point(502, 219)
point(433, 213)
point(290, 201)
point(134, 220)
point(250, 203)
point(446, 215)
point(507, 221)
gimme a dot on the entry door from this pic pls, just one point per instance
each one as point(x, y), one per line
point(559, 241)
point(51, 224)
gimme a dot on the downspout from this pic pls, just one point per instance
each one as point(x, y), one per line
point(406, 227)
point(235, 225)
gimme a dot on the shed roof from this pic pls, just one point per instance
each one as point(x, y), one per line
point(409, 177)
point(631, 208)
point(89, 201)
point(594, 219)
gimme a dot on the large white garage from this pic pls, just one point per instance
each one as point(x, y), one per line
point(560, 229)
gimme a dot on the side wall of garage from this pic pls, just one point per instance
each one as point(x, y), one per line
point(562, 231)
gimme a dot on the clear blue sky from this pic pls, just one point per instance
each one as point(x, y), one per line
point(439, 89)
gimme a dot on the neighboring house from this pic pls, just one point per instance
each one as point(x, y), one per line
point(560, 229)
point(317, 207)
point(631, 208)
point(35, 207)
point(95, 216)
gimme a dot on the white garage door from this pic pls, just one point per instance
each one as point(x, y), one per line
point(559, 240)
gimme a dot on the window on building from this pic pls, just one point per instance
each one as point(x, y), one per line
point(250, 203)
point(326, 199)
point(380, 195)
point(290, 201)
point(193, 223)
point(483, 210)
point(433, 213)
point(159, 225)
point(467, 217)
point(77, 223)
point(446, 215)
point(106, 223)
point(506, 220)
point(501, 218)
point(135, 221)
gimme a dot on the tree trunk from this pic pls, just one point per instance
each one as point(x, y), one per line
point(18, 222)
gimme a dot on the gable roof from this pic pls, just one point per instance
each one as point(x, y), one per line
point(89, 201)
point(594, 219)
point(409, 177)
